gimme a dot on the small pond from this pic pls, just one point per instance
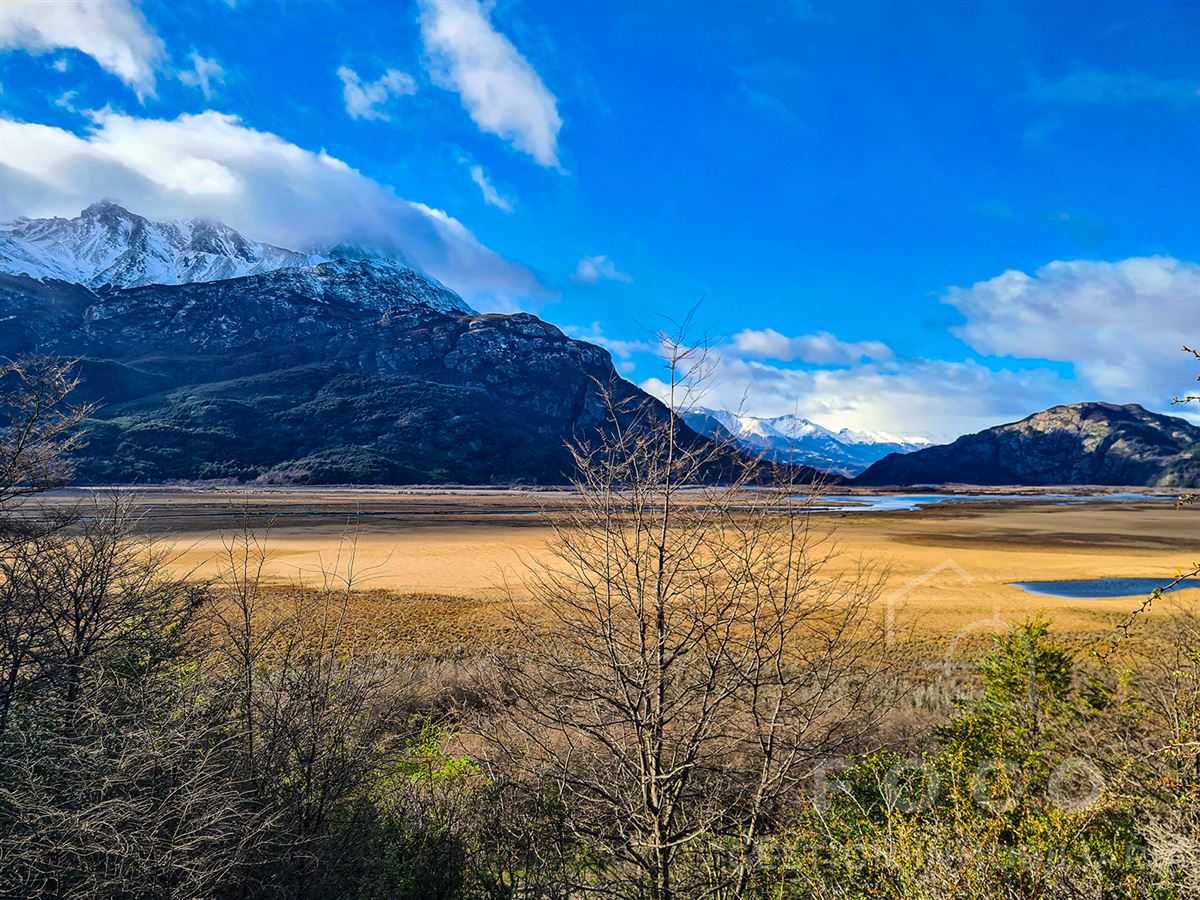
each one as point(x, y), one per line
point(1099, 588)
point(902, 502)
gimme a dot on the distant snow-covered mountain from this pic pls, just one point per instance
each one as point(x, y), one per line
point(798, 440)
point(107, 246)
point(876, 438)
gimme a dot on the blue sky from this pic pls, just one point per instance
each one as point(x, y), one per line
point(917, 217)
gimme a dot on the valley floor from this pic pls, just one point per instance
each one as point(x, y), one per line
point(455, 555)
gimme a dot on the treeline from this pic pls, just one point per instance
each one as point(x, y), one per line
point(690, 701)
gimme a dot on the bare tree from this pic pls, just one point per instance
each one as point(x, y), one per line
point(115, 774)
point(39, 426)
point(689, 657)
point(38, 432)
point(108, 601)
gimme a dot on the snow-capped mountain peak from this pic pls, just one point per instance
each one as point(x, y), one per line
point(790, 438)
point(751, 427)
point(852, 436)
point(107, 246)
point(795, 428)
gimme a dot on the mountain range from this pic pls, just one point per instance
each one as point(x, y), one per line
point(1080, 443)
point(216, 357)
point(797, 440)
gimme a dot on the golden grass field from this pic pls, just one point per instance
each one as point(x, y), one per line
point(436, 563)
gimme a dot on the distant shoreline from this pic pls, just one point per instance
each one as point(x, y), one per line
point(467, 489)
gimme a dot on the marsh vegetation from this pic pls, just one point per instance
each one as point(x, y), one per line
point(689, 695)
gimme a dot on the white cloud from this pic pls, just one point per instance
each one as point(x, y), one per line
point(491, 196)
point(369, 99)
point(592, 269)
point(113, 32)
point(205, 72)
point(934, 398)
point(213, 165)
point(66, 100)
point(915, 397)
point(821, 348)
point(500, 90)
point(1118, 327)
point(1120, 324)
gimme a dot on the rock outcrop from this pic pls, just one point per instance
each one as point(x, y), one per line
point(1081, 443)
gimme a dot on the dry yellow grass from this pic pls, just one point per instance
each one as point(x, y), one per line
point(950, 566)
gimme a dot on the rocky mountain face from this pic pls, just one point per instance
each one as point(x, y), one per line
point(1082, 443)
point(797, 440)
point(268, 378)
point(350, 370)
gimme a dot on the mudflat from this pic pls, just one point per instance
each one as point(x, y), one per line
point(949, 566)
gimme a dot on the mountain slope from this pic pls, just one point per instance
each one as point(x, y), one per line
point(313, 375)
point(351, 371)
point(1083, 443)
point(794, 439)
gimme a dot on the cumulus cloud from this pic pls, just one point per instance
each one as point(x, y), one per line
point(204, 73)
point(593, 269)
point(937, 399)
point(213, 165)
point(821, 348)
point(113, 32)
point(933, 398)
point(369, 99)
point(1086, 85)
point(1117, 326)
point(498, 87)
point(1120, 324)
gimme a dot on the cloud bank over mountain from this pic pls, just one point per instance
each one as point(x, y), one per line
point(213, 165)
point(911, 398)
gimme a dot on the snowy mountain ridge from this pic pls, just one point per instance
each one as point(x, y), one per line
point(790, 438)
point(853, 437)
point(377, 283)
point(107, 246)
